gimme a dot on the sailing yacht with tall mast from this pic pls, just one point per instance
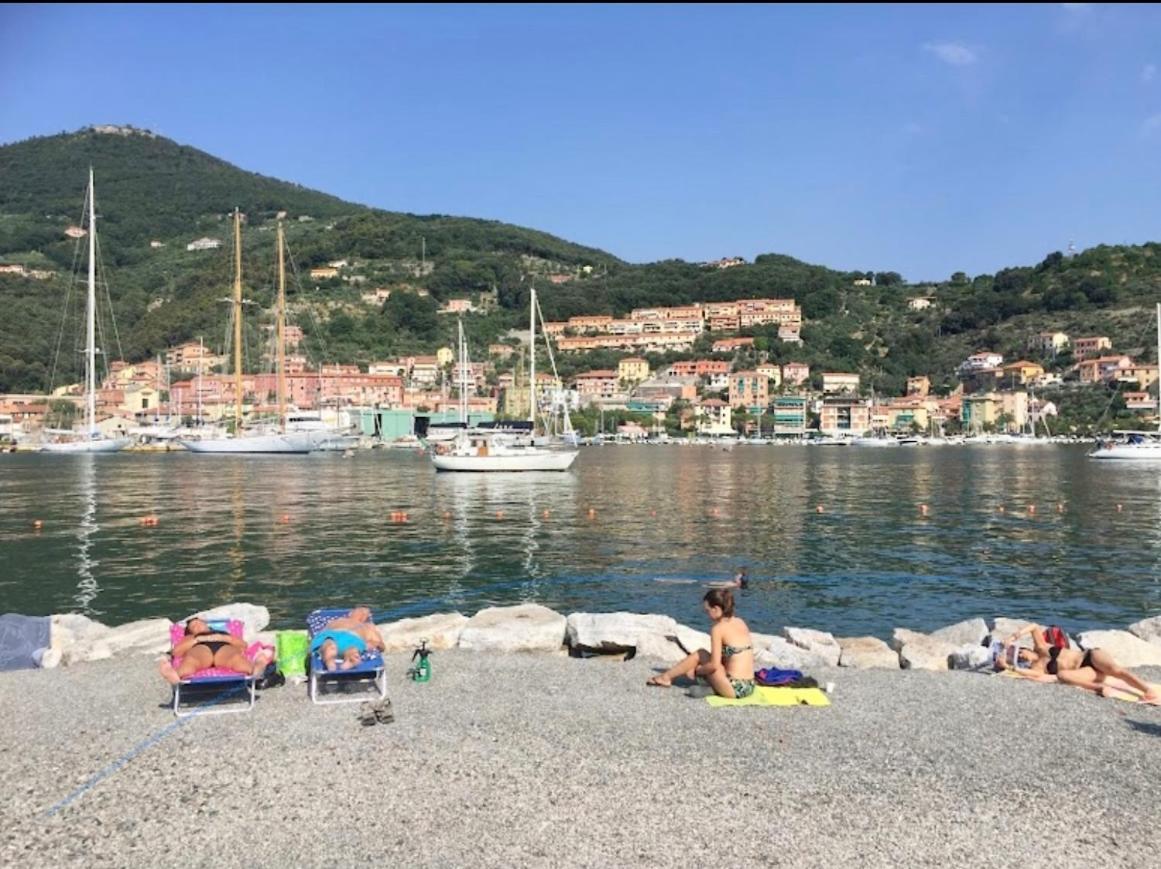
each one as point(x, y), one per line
point(242, 441)
point(91, 441)
point(1137, 446)
point(477, 450)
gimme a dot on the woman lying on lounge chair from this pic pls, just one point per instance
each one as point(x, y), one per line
point(1086, 670)
point(203, 648)
point(729, 665)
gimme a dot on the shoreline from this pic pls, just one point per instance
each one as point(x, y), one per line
point(538, 760)
point(75, 639)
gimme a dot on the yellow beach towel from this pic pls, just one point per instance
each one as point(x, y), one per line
point(764, 696)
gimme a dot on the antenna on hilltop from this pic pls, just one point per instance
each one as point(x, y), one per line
point(1071, 250)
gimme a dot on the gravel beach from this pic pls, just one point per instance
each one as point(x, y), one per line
point(543, 760)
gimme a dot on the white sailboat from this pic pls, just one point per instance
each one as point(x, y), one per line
point(278, 442)
point(478, 450)
point(1136, 446)
point(91, 440)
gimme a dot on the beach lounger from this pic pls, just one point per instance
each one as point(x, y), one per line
point(370, 672)
point(214, 684)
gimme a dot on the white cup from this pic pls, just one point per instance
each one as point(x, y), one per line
point(830, 687)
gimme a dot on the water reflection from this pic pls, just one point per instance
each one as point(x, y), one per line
point(595, 538)
point(87, 587)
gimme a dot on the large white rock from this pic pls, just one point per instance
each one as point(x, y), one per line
point(441, 630)
point(1148, 629)
point(75, 638)
point(820, 643)
point(970, 632)
point(610, 633)
point(787, 656)
point(148, 636)
point(970, 657)
point(867, 652)
point(254, 618)
point(1128, 650)
point(525, 628)
point(920, 651)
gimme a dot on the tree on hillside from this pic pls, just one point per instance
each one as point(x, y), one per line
point(888, 279)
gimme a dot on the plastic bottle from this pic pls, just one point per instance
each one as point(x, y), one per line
point(422, 671)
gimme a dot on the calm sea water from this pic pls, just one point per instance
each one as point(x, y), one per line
point(294, 533)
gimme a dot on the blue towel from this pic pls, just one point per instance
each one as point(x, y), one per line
point(23, 640)
point(772, 676)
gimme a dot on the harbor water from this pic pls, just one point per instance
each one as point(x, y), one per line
point(832, 538)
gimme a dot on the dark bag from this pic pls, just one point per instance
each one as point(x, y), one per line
point(270, 678)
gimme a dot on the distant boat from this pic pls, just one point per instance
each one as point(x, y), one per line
point(282, 441)
point(90, 440)
point(481, 450)
point(1136, 446)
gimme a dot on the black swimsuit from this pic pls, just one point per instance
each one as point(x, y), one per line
point(1053, 666)
point(213, 645)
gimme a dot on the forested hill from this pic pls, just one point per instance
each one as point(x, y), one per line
point(153, 190)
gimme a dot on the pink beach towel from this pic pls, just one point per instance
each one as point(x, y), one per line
point(234, 628)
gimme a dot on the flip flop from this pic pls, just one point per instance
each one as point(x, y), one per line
point(367, 716)
point(383, 711)
point(653, 683)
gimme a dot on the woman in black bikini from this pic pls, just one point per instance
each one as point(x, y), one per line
point(203, 648)
point(729, 665)
point(1083, 669)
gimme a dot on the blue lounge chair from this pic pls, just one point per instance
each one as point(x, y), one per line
point(371, 670)
point(215, 683)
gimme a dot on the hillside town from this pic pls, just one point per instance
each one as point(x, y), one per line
point(734, 389)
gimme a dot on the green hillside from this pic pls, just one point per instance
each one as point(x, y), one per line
point(152, 189)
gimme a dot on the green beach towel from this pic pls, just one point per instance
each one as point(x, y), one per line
point(764, 696)
point(290, 650)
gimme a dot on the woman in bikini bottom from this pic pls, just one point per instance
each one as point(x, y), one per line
point(203, 648)
point(1087, 669)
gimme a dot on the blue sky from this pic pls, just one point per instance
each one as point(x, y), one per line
point(919, 139)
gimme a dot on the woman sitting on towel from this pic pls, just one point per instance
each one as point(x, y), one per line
point(203, 648)
point(729, 665)
point(1073, 667)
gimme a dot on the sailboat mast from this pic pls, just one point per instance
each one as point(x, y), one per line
point(201, 362)
point(91, 319)
point(462, 354)
point(281, 331)
point(532, 359)
point(237, 322)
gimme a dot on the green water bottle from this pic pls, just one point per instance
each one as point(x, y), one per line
point(422, 671)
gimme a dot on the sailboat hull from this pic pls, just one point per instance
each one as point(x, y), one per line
point(98, 445)
point(547, 460)
point(256, 444)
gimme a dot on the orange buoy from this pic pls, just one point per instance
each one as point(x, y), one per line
point(652, 512)
point(499, 514)
point(446, 515)
point(715, 511)
point(1031, 508)
point(818, 509)
point(592, 513)
point(37, 524)
point(923, 510)
point(1059, 508)
point(1120, 507)
point(1000, 509)
point(545, 514)
point(149, 521)
point(284, 518)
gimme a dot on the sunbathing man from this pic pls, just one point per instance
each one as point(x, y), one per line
point(203, 647)
point(1086, 670)
point(346, 638)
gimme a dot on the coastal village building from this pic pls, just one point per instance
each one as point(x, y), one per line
point(204, 244)
point(844, 415)
point(193, 356)
point(790, 414)
point(323, 273)
point(76, 232)
point(834, 383)
point(457, 306)
point(980, 362)
point(920, 304)
point(500, 351)
point(1048, 342)
point(1139, 373)
point(633, 369)
point(920, 386)
point(377, 296)
point(698, 368)
point(1019, 373)
point(795, 373)
point(730, 345)
point(1102, 368)
point(750, 390)
point(1086, 348)
point(714, 417)
point(771, 372)
point(595, 384)
point(424, 370)
point(985, 409)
